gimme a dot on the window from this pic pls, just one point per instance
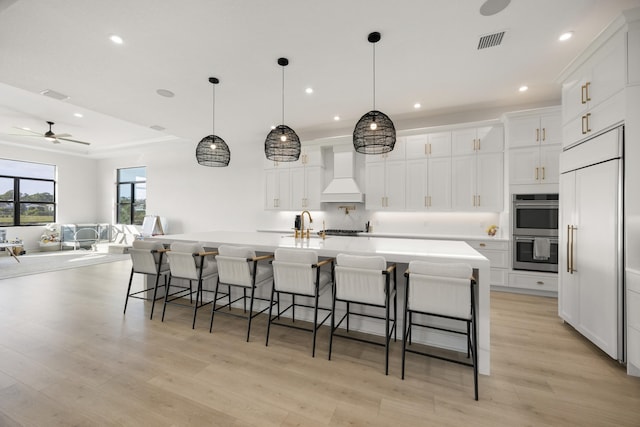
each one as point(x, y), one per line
point(27, 193)
point(132, 195)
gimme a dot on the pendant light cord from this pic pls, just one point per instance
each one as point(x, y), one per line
point(213, 117)
point(283, 95)
point(374, 76)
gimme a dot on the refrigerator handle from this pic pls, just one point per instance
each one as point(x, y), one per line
point(568, 246)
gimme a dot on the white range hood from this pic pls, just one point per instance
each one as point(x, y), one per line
point(343, 187)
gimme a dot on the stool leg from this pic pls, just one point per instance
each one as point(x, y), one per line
point(253, 291)
point(387, 337)
point(315, 325)
point(128, 290)
point(213, 306)
point(333, 319)
point(155, 293)
point(273, 291)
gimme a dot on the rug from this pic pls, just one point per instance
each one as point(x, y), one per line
point(42, 262)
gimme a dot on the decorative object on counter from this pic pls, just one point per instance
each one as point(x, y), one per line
point(374, 133)
point(492, 230)
point(282, 143)
point(347, 208)
point(212, 150)
point(339, 232)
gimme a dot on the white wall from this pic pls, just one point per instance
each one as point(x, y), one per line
point(76, 192)
point(191, 197)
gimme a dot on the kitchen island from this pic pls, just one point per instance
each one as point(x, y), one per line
point(400, 251)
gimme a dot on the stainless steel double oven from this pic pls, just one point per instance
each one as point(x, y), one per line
point(535, 232)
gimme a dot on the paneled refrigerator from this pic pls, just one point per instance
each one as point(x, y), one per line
point(591, 285)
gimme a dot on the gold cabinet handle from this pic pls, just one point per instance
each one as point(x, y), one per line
point(474, 145)
point(588, 125)
point(536, 174)
point(586, 87)
point(478, 200)
point(429, 201)
point(429, 148)
point(425, 201)
point(537, 135)
point(544, 134)
point(584, 128)
point(426, 149)
point(479, 144)
point(568, 251)
point(474, 201)
point(482, 245)
point(540, 282)
point(382, 202)
point(583, 89)
point(543, 173)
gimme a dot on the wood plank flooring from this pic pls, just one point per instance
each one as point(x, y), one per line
point(68, 356)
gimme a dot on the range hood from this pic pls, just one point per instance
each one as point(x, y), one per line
point(343, 187)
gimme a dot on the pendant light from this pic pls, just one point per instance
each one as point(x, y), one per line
point(212, 150)
point(282, 143)
point(374, 133)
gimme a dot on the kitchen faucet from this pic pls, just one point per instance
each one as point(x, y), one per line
point(302, 223)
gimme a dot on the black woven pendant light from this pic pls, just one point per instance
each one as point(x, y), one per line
point(212, 150)
point(282, 143)
point(374, 133)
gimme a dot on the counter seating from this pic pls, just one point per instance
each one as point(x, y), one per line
point(147, 258)
point(365, 281)
point(444, 291)
point(297, 272)
point(238, 267)
point(189, 261)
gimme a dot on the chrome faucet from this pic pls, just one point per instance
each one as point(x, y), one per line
point(302, 223)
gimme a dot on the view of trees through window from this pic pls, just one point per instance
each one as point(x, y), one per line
point(132, 195)
point(27, 193)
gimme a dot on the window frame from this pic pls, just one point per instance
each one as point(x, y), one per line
point(18, 203)
point(132, 203)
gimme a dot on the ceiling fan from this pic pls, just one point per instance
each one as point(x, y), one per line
point(53, 137)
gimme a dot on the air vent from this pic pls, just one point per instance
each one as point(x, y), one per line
point(55, 95)
point(490, 40)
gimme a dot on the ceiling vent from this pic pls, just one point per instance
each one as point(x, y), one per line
point(157, 127)
point(490, 40)
point(55, 95)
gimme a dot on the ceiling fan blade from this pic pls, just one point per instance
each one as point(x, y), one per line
point(73, 140)
point(27, 130)
point(63, 135)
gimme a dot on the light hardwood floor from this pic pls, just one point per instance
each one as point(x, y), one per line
point(69, 357)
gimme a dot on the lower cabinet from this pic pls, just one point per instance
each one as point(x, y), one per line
point(533, 281)
point(497, 252)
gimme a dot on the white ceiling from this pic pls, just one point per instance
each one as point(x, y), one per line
point(428, 54)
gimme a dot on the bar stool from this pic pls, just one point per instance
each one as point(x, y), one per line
point(297, 272)
point(147, 258)
point(238, 267)
point(445, 291)
point(189, 261)
point(367, 281)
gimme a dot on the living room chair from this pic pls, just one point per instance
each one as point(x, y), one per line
point(444, 291)
point(365, 281)
point(297, 272)
point(238, 267)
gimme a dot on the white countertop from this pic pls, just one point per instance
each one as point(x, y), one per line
point(413, 236)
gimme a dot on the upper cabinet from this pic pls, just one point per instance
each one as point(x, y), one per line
point(428, 146)
point(534, 140)
point(396, 154)
point(592, 97)
point(485, 139)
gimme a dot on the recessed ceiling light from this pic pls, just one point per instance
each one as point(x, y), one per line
point(565, 36)
point(491, 7)
point(336, 118)
point(417, 105)
point(523, 88)
point(309, 90)
point(166, 93)
point(78, 115)
point(25, 128)
point(116, 39)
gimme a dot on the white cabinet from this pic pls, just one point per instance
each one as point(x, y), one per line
point(398, 153)
point(541, 282)
point(497, 252)
point(306, 180)
point(429, 184)
point(428, 168)
point(385, 181)
point(534, 165)
point(277, 188)
point(602, 76)
point(428, 145)
point(485, 139)
point(534, 128)
point(477, 182)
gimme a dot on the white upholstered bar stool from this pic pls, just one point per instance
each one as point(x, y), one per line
point(238, 267)
point(445, 291)
point(365, 281)
point(189, 261)
point(297, 272)
point(147, 258)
